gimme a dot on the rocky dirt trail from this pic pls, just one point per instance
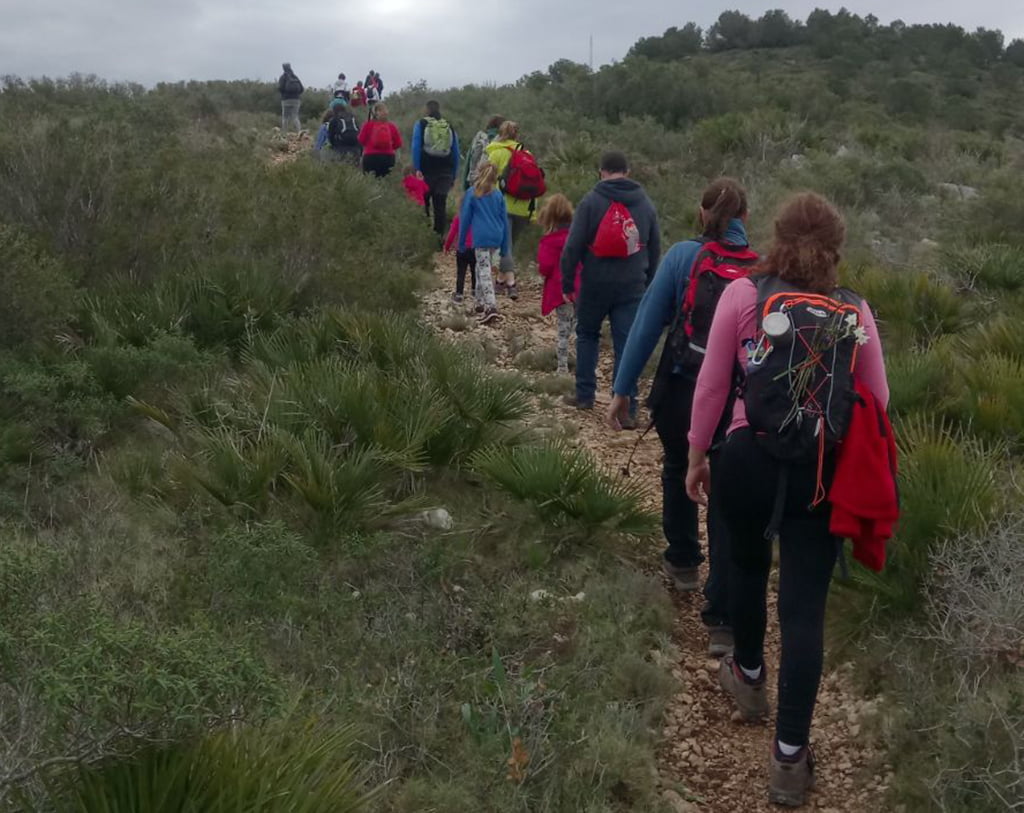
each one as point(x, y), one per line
point(707, 762)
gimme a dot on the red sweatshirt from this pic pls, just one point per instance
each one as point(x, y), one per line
point(384, 142)
point(453, 235)
point(416, 189)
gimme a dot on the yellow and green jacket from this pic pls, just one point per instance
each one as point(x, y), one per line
point(499, 153)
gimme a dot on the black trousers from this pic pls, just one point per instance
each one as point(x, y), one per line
point(437, 199)
point(679, 517)
point(747, 484)
point(465, 261)
point(380, 165)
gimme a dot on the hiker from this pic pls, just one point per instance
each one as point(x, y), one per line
point(465, 260)
point(483, 214)
point(555, 218)
point(682, 298)
point(803, 344)
point(321, 134)
point(372, 100)
point(340, 88)
point(416, 189)
point(522, 182)
point(475, 153)
point(357, 98)
point(435, 155)
point(615, 236)
point(343, 134)
point(380, 139)
point(291, 90)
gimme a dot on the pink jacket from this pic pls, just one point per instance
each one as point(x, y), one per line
point(549, 254)
point(734, 324)
point(453, 235)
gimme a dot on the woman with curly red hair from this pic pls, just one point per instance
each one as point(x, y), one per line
point(764, 491)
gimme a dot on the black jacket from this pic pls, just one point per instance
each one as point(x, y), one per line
point(629, 274)
point(283, 81)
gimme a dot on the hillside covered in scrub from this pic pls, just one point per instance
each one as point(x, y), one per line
point(227, 431)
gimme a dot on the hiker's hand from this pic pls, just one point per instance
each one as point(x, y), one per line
point(617, 410)
point(569, 299)
point(419, 175)
point(698, 477)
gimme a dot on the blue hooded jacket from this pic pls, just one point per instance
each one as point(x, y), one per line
point(661, 303)
point(488, 218)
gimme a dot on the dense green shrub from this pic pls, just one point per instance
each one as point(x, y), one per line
point(37, 293)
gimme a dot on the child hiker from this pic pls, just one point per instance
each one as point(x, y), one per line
point(483, 212)
point(464, 260)
point(555, 219)
point(416, 188)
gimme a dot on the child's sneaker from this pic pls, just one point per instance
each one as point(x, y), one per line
point(750, 695)
point(790, 778)
point(457, 298)
point(489, 315)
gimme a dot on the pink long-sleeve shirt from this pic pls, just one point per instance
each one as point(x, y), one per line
point(735, 324)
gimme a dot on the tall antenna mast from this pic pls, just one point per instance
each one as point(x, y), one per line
point(591, 53)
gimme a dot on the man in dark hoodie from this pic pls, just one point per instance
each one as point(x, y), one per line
point(611, 286)
point(291, 90)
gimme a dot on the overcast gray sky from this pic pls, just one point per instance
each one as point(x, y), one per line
point(446, 42)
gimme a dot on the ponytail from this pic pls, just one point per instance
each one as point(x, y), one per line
point(486, 180)
point(722, 201)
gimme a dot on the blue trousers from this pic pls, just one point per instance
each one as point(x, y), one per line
point(593, 306)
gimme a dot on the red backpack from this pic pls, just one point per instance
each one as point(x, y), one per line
point(523, 179)
point(380, 137)
point(715, 267)
point(617, 234)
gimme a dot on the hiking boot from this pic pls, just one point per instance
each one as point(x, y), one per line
point(479, 308)
point(720, 641)
point(686, 579)
point(573, 400)
point(513, 292)
point(629, 422)
point(489, 315)
point(789, 778)
point(457, 299)
point(750, 695)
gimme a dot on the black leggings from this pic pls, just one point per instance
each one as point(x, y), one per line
point(807, 555)
point(465, 261)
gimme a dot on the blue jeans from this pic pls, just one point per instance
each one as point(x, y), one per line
point(593, 306)
point(290, 115)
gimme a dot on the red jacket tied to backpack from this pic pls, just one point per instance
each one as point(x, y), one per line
point(617, 233)
point(863, 494)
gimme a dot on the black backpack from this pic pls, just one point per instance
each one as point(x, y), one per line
point(799, 390)
point(343, 132)
point(714, 268)
point(292, 84)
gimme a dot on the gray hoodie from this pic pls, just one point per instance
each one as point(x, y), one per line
point(629, 275)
